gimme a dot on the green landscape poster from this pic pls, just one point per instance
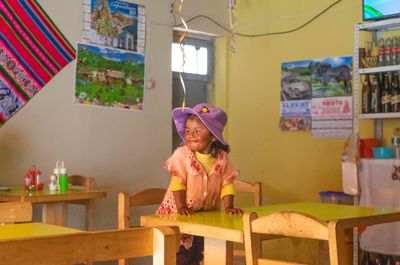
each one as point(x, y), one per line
point(109, 77)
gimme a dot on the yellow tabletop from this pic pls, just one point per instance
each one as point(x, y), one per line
point(27, 230)
point(211, 222)
point(220, 230)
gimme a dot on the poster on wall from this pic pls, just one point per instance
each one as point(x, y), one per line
point(296, 96)
point(332, 101)
point(115, 24)
point(109, 77)
point(316, 96)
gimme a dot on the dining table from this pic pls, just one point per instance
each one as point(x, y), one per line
point(29, 230)
point(55, 203)
point(220, 230)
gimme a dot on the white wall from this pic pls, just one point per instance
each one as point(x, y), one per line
point(122, 150)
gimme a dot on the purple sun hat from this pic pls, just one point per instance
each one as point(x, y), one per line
point(213, 118)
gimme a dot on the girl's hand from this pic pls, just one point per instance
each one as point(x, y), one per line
point(231, 210)
point(185, 211)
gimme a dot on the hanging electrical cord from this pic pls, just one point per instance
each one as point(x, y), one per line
point(263, 34)
point(232, 23)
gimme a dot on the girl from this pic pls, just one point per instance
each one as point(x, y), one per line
point(201, 170)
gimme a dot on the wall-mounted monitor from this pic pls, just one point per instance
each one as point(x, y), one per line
point(380, 9)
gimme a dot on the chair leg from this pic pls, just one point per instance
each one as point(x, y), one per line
point(90, 215)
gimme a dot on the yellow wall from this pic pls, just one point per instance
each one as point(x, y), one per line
point(293, 166)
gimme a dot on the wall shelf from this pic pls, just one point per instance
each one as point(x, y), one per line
point(374, 116)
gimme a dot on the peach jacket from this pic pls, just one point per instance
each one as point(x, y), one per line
point(202, 190)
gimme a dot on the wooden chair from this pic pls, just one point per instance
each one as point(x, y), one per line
point(126, 201)
point(80, 248)
point(275, 225)
point(15, 212)
point(87, 183)
point(246, 187)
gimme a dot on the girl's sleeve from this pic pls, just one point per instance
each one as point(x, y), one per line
point(231, 172)
point(176, 185)
point(227, 189)
point(177, 168)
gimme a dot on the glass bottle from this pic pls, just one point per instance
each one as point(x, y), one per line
point(366, 260)
point(395, 102)
point(381, 52)
point(388, 50)
point(393, 50)
point(389, 260)
point(375, 94)
point(366, 95)
point(396, 142)
point(379, 260)
point(386, 97)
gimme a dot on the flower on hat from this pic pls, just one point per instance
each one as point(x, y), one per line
point(204, 109)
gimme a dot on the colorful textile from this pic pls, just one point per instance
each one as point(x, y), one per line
point(32, 51)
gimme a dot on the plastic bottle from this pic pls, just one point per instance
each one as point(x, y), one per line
point(63, 179)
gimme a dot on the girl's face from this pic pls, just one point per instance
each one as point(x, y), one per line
point(197, 137)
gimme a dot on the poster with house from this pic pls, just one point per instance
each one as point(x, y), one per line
point(109, 77)
point(114, 23)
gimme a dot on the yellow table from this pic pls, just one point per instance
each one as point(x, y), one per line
point(55, 203)
point(220, 230)
point(28, 230)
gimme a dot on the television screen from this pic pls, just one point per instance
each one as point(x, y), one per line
point(380, 9)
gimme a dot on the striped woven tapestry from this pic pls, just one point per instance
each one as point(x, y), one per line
point(32, 51)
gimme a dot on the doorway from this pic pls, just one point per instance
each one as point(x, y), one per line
point(197, 74)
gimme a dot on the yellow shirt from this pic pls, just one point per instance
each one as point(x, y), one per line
point(207, 162)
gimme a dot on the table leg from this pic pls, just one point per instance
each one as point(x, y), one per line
point(55, 213)
point(217, 252)
point(90, 215)
point(336, 241)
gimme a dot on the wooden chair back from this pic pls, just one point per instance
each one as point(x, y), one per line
point(15, 212)
point(126, 201)
point(84, 247)
point(78, 180)
point(290, 224)
point(88, 183)
point(242, 186)
point(144, 197)
point(247, 187)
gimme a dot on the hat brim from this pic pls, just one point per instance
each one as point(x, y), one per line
point(179, 116)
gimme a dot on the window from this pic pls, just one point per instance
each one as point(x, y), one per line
point(196, 59)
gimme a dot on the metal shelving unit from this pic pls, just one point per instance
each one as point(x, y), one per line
point(377, 29)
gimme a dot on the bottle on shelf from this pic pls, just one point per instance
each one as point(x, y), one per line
point(381, 52)
point(388, 50)
point(396, 142)
point(366, 95)
point(395, 101)
point(366, 260)
point(386, 96)
point(375, 94)
point(393, 50)
point(389, 260)
point(397, 50)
